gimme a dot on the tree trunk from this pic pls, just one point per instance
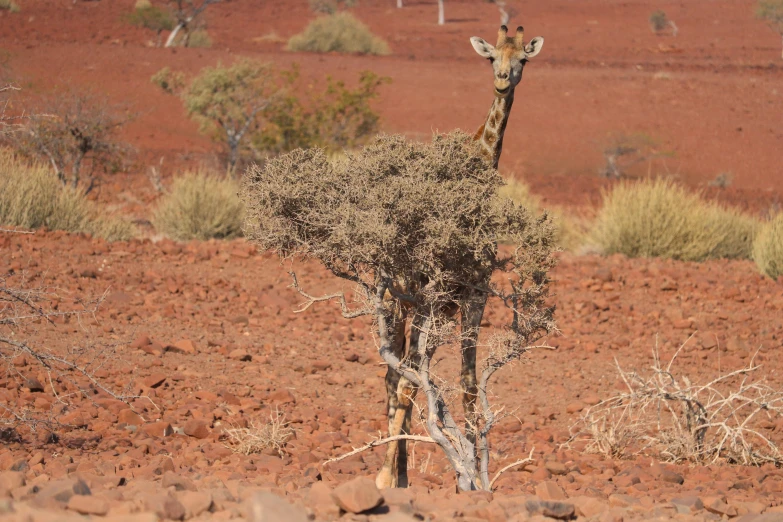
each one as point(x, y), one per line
point(781, 53)
point(399, 4)
point(441, 16)
point(173, 34)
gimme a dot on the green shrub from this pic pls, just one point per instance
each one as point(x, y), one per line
point(768, 248)
point(32, 197)
point(656, 218)
point(150, 17)
point(10, 6)
point(200, 206)
point(341, 33)
point(199, 38)
point(658, 21)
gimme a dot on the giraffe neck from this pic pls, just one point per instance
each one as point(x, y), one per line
point(490, 135)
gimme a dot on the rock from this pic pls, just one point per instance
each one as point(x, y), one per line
point(158, 429)
point(357, 495)
point(141, 341)
point(623, 501)
point(555, 467)
point(588, 506)
point(33, 384)
point(718, 506)
point(575, 407)
point(179, 483)
point(240, 355)
point(129, 417)
point(687, 505)
point(9, 481)
point(154, 380)
point(671, 477)
point(549, 490)
point(196, 428)
point(547, 508)
point(184, 346)
point(195, 502)
point(282, 396)
point(62, 490)
point(319, 499)
point(88, 505)
point(266, 507)
point(164, 506)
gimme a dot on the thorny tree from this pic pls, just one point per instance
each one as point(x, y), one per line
point(186, 13)
point(410, 225)
point(78, 136)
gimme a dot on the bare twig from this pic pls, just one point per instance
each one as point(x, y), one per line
point(519, 462)
point(380, 442)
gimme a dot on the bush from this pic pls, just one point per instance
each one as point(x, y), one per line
point(199, 38)
point(768, 248)
point(150, 17)
point(656, 218)
point(10, 6)
point(200, 206)
point(340, 33)
point(658, 21)
point(32, 197)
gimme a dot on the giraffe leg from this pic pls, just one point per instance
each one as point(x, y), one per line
point(472, 313)
point(388, 475)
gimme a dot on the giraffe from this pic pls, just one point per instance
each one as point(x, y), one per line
point(508, 59)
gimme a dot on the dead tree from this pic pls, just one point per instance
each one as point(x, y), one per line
point(410, 225)
point(186, 12)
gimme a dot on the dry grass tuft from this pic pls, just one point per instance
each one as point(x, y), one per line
point(340, 32)
point(672, 418)
point(768, 248)
point(272, 434)
point(200, 206)
point(32, 197)
point(656, 218)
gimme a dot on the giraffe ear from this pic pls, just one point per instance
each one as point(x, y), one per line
point(533, 47)
point(484, 49)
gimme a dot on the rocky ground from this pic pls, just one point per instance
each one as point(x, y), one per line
point(205, 335)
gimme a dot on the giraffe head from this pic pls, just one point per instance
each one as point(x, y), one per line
point(508, 57)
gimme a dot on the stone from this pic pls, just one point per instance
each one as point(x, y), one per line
point(196, 428)
point(357, 495)
point(556, 468)
point(551, 509)
point(588, 506)
point(195, 502)
point(240, 355)
point(129, 417)
point(88, 505)
point(623, 501)
point(671, 477)
point(179, 483)
point(155, 380)
point(718, 506)
point(10, 480)
point(266, 507)
point(164, 506)
point(62, 490)
point(319, 499)
point(185, 346)
point(158, 429)
point(575, 407)
point(687, 505)
point(549, 490)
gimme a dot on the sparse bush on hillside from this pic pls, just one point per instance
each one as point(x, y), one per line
point(330, 6)
point(659, 21)
point(340, 32)
point(32, 197)
point(656, 218)
point(10, 6)
point(415, 223)
point(77, 135)
point(199, 39)
point(251, 107)
point(771, 11)
point(200, 206)
point(768, 248)
point(189, 18)
point(151, 17)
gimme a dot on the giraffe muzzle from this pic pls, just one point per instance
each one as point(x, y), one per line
point(502, 92)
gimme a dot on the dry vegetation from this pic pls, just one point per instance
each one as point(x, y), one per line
point(726, 420)
point(656, 218)
point(257, 437)
point(339, 32)
point(415, 226)
point(200, 206)
point(32, 197)
point(768, 248)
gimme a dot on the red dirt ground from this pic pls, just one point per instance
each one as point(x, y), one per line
point(711, 95)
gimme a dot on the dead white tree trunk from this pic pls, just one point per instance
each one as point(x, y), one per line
point(399, 4)
point(441, 15)
point(184, 19)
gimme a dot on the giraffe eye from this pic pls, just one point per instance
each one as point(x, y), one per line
point(491, 59)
